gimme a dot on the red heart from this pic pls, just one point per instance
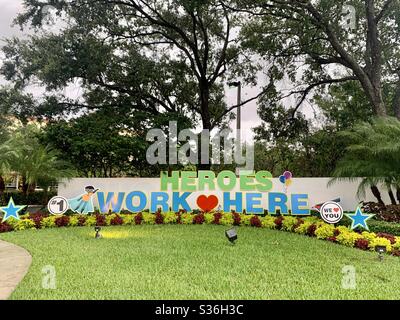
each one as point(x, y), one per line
point(336, 209)
point(207, 203)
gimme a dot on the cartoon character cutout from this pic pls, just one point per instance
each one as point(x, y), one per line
point(84, 203)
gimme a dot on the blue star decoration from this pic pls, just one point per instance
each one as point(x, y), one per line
point(11, 211)
point(359, 219)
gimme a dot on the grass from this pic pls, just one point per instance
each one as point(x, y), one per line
point(197, 262)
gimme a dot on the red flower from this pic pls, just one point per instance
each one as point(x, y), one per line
point(336, 232)
point(116, 221)
point(101, 220)
point(278, 222)
point(388, 236)
point(81, 221)
point(198, 218)
point(5, 227)
point(179, 218)
point(396, 253)
point(361, 244)
point(62, 221)
point(159, 218)
point(217, 217)
point(37, 219)
point(311, 230)
point(255, 222)
point(139, 218)
point(298, 224)
point(331, 239)
point(236, 218)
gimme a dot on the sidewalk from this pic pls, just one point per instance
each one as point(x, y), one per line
point(14, 264)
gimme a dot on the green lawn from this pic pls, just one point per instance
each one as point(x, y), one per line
point(197, 262)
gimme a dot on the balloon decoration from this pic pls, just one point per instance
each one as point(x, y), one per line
point(286, 179)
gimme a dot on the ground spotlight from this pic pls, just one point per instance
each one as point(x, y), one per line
point(97, 229)
point(381, 251)
point(231, 234)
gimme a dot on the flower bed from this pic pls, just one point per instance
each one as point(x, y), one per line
point(309, 226)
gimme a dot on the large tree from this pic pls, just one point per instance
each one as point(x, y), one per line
point(156, 56)
point(319, 43)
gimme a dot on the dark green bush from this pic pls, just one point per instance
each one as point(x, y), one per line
point(36, 198)
point(376, 226)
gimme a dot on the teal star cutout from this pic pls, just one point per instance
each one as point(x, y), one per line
point(11, 210)
point(359, 219)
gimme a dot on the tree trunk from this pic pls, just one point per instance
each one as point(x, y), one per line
point(377, 194)
point(374, 60)
point(396, 102)
point(398, 194)
point(391, 196)
point(31, 188)
point(25, 186)
point(206, 120)
point(2, 185)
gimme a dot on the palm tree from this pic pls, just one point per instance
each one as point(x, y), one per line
point(35, 163)
point(374, 154)
point(40, 166)
point(6, 153)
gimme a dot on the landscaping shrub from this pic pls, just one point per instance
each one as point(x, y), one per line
point(62, 221)
point(390, 237)
point(217, 217)
point(348, 238)
point(139, 218)
point(37, 219)
point(279, 222)
point(324, 232)
point(289, 223)
point(245, 221)
point(362, 244)
point(380, 242)
point(303, 227)
point(149, 218)
point(377, 226)
point(226, 219)
point(310, 226)
point(81, 221)
point(170, 217)
point(268, 222)
point(36, 198)
point(100, 220)
point(48, 222)
point(116, 220)
point(187, 218)
point(159, 218)
point(5, 227)
point(311, 230)
point(236, 219)
point(255, 222)
point(198, 218)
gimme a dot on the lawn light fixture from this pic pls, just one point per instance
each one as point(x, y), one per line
point(231, 234)
point(381, 251)
point(97, 229)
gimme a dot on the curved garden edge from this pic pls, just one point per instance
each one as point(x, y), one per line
point(309, 226)
point(14, 265)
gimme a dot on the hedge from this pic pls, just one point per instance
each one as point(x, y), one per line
point(36, 198)
point(377, 226)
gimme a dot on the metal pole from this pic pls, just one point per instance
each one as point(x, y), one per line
point(239, 111)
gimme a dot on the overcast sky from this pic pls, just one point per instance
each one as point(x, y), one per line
point(250, 119)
